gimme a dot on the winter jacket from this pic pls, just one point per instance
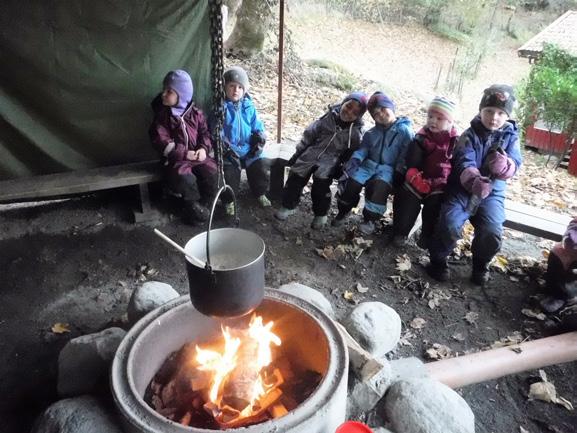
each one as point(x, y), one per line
point(473, 147)
point(325, 144)
point(173, 136)
point(431, 154)
point(383, 151)
point(240, 121)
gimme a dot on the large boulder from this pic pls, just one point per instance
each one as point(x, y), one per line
point(427, 406)
point(376, 326)
point(77, 415)
point(148, 297)
point(84, 362)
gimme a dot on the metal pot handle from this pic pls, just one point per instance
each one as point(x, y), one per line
point(236, 221)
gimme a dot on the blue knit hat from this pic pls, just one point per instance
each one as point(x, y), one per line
point(181, 83)
point(360, 97)
point(379, 99)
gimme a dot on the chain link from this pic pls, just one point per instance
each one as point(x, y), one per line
point(216, 44)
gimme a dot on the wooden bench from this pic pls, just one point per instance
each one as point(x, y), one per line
point(535, 221)
point(82, 181)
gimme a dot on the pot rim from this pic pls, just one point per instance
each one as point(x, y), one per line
point(202, 264)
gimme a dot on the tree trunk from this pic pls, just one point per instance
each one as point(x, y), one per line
point(253, 19)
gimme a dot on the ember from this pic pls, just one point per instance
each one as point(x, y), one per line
point(231, 383)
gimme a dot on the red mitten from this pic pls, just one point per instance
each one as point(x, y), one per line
point(415, 178)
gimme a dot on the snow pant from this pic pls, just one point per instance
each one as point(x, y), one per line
point(560, 277)
point(488, 224)
point(376, 194)
point(199, 185)
point(406, 208)
point(320, 192)
point(256, 174)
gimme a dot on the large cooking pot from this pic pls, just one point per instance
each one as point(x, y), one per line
point(225, 269)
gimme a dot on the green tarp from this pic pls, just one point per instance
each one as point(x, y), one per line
point(77, 78)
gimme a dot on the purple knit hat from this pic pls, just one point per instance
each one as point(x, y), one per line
point(181, 83)
point(360, 97)
point(379, 99)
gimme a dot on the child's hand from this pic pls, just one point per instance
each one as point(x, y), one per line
point(201, 154)
point(191, 155)
point(482, 187)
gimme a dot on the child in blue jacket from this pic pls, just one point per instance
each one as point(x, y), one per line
point(486, 155)
point(244, 139)
point(379, 160)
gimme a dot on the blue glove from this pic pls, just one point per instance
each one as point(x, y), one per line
point(351, 166)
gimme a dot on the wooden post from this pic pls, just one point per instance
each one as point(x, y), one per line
point(280, 71)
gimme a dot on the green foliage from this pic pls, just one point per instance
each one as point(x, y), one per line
point(331, 74)
point(550, 92)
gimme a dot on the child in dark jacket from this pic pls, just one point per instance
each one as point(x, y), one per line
point(325, 144)
point(244, 138)
point(428, 165)
point(379, 160)
point(486, 155)
point(180, 134)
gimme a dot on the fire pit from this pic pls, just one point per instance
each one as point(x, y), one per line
point(308, 337)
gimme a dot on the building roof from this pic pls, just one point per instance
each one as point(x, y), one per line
point(562, 32)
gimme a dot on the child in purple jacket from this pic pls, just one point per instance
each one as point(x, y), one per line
point(180, 134)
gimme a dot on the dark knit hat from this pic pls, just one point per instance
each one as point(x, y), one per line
point(360, 97)
point(238, 75)
point(181, 83)
point(379, 99)
point(499, 96)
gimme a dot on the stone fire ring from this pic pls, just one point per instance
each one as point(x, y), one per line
point(166, 329)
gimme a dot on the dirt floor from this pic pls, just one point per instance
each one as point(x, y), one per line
point(77, 261)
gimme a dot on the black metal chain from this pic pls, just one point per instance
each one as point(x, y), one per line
point(216, 44)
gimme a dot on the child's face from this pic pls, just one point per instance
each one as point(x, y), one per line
point(350, 111)
point(169, 97)
point(383, 116)
point(234, 91)
point(436, 122)
point(493, 118)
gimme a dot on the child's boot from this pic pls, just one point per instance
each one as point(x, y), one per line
point(319, 222)
point(263, 201)
point(195, 212)
point(283, 213)
point(480, 274)
point(438, 270)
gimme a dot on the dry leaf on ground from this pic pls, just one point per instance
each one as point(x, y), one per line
point(403, 263)
point(348, 295)
point(533, 314)
point(417, 323)
point(435, 297)
point(458, 337)
point(545, 391)
point(500, 263)
point(509, 340)
point(60, 328)
point(438, 351)
point(361, 288)
point(408, 335)
point(472, 317)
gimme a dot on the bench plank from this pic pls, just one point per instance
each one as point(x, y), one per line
point(74, 182)
point(535, 221)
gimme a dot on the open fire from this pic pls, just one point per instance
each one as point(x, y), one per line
point(234, 382)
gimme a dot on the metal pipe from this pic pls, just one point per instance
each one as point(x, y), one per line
point(495, 363)
point(280, 71)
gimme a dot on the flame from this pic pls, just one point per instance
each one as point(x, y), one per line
point(222, 364)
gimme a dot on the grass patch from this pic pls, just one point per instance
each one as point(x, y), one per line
point(331, 74)
point(447, 32)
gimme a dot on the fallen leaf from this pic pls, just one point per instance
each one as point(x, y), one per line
point(523, 430)
point(361, 288)
point(500, 263)
point(514, 279)
point(342, 266)
point(436, 296)
point(408, 335)
point(545, 391)
point(509, 340)
point(438, 351)
point(60, 328)
point(403, 263)
point(458, 337)
point(417, 323)
point(298, 241)
point(533, 314)
point(471, 317)
point(395, 278)
point(348, 295)
point(423, 260)
point(327, 252)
